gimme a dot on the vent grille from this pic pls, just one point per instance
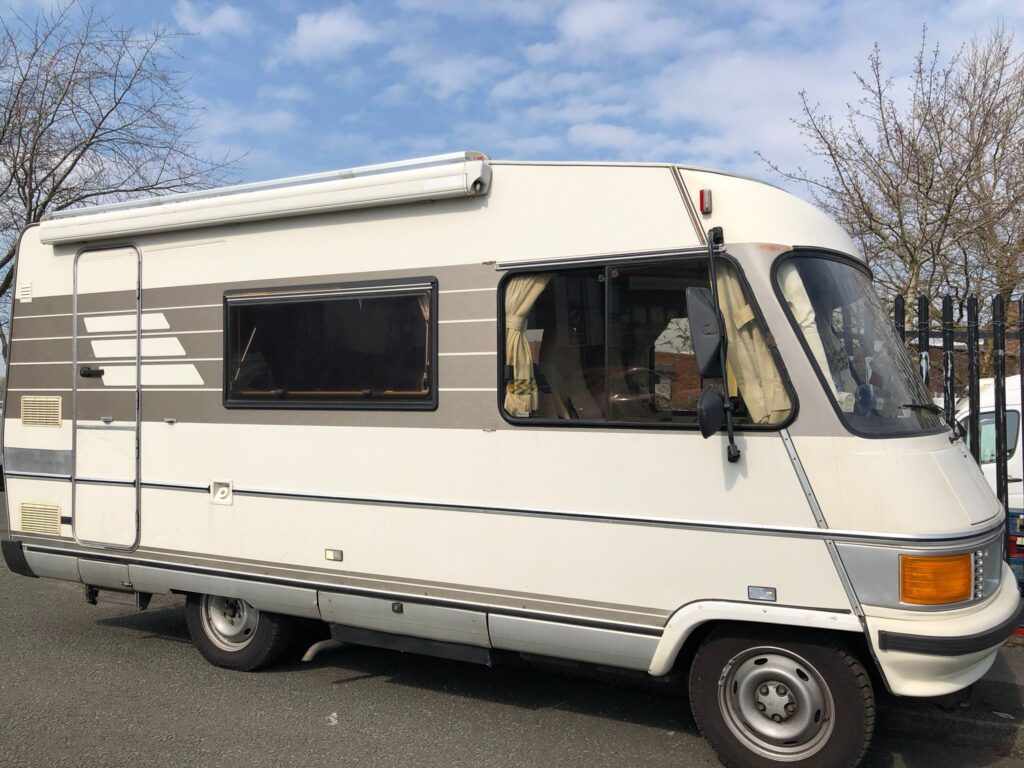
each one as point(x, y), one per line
point(40, 518)
point(40, 411)
point(25, 293)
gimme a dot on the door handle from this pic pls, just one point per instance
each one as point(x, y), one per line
point(90, 373)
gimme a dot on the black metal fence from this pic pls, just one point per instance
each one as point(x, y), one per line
point(985, 350)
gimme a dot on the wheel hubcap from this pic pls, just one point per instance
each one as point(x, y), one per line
point(776, 703)
point(229, 623)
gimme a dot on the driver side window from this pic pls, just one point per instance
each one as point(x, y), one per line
point(612, 344)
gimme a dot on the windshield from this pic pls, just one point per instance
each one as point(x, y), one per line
point(875, 387)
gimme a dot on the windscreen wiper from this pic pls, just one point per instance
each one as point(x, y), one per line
point(930, 407)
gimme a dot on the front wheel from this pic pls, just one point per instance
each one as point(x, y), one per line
point(231, 633)
point(764, 697)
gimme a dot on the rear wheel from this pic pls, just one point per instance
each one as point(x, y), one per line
point(231, 633)
point(764, 697)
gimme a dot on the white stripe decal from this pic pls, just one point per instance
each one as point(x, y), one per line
point(147, 334)
point(160, 346)
point(115, 362)
point(152, 375)
point(145, 389)
point(468, 290)
point(151, 321)
point(39, 389)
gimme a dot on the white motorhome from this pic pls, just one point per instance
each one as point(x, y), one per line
point(458, 406)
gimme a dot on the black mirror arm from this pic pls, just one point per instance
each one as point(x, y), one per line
point(716, 238)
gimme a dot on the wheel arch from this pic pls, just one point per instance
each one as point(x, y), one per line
point(688, 626)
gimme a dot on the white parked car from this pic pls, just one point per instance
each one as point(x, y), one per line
point(987, 442)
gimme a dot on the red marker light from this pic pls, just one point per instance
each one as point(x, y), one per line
point(705, 201)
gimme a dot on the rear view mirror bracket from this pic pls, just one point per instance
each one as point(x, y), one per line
point(712, 321)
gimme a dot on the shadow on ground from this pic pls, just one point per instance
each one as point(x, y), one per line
point(660, 705)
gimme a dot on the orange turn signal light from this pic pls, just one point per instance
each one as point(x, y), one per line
point(935, 579)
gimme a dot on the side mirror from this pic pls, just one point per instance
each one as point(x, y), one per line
point(710, 412)
point(706, 332)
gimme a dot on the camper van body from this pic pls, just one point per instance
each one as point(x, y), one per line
point(447, 518)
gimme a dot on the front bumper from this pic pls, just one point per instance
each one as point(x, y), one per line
point(14, 557)
point(935, 653)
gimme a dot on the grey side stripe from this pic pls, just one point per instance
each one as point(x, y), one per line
point(37, 461)
point(635, 618)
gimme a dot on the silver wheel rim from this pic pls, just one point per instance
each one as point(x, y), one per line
point(228, 622)
point(776, 703)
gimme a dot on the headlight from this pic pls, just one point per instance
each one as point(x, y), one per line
point(935, 576)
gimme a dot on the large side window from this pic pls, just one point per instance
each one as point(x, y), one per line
point(612, 344)
point(352, 346)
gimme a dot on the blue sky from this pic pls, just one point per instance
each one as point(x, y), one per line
point(300, 86)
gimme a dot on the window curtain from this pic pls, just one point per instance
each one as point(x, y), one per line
point(424, 304)
point(521, 293)
point(803, 312)
point(750, 361)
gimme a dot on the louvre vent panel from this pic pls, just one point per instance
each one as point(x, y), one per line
point(40, 518)
point(40, 411)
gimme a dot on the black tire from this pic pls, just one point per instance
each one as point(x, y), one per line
point(825, 719)
point(246, 641)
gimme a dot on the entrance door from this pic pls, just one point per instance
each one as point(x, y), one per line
point(105, 398)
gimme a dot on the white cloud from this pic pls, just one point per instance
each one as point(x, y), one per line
point(504, 137)
point(530, 85)
point(222, 118)
point(516, 11)
point(44, 5)
point(225, 19)
point(348, 77)
point(626, 142)
point(327, 36)
point(286, 93)
point(632, 27)
point(583, 108)
point(394, 95)
point(541, 53)
point(448, 75)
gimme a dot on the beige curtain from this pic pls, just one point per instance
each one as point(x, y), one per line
point(521, 294)
point(424, 302)
point(803, 312)
point(750, 361)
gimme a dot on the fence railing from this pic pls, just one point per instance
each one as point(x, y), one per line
point(974, 340)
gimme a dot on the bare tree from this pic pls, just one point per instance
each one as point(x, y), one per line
point(89, 112)
point(930, 184)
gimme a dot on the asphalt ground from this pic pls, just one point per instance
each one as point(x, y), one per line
point(103, 685)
